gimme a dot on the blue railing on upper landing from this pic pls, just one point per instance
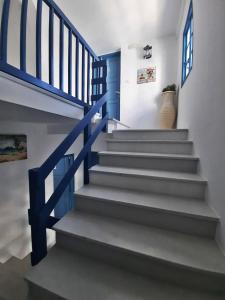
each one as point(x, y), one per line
point(90, 89)
point(76, 64)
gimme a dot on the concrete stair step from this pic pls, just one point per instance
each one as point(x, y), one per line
point(163, 254)
point(151, 134)
point(67, 275)
point(174, 213)
point(163, 182)
point(150, 146)
point(167, 162)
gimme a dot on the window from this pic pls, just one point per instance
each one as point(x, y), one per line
point(187, 60)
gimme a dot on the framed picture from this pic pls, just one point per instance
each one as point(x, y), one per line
point(146, 75)
point(12, 147)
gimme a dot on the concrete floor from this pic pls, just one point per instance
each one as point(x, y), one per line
point(12, 284)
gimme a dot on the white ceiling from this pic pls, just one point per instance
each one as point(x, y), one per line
point(107, 24)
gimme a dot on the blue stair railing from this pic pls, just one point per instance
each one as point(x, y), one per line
point(79, 85)
point(90, 90)
point(40, 210)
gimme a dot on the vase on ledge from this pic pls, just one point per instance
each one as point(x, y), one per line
point(167, 110)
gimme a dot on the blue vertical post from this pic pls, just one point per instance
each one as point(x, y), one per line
point(61, 55)
point(88, 78)
point(104, 90)
point(92, 77)
point(77, 68)
point(38, 38)
point(70, 62)
point(23, 31)
point(51, 46)
point(4, 30)
point(83, 74)
point(87, 160)
point(38, 227)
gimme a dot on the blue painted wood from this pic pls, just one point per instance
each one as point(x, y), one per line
point(38, 228)
point(88, 78)
point(49, 206)
point(94, 159)
point(113, 84)
point(98, 81)
point(87, 159)
point(54, 158)
point(187, 61)
point(23, 31)
point(39, 212)
point(77, 68)
point(51, 222)
point(66, 201)
point(4, 30)
point(70, 63)
point(51, 46)
point(99, 63)
point(53, 10)
point(61, 55)
point(83, 74)
point(38, 38)
point(99, 71)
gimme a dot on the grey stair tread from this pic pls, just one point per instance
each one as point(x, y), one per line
point(150, 130)
point(200, 254)
point(73, 276)
point(149, 155)
point(187, 206)
point(167, 175)
point(149, 141)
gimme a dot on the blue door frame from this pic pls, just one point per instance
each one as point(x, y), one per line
point(66, 202)
point(113, 84)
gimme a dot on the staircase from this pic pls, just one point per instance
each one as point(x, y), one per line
point(141, 228)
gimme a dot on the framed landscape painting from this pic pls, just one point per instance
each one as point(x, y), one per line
point(12, 147)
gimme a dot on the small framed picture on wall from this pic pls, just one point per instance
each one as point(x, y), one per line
point(146, 75)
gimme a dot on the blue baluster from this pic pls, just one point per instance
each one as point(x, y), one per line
point(23, 31)
point(51, 46)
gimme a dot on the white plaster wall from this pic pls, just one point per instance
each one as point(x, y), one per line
point(18, 92)
point(140, 102)
point(202, 99)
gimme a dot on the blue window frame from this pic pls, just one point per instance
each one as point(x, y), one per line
point(187, 60)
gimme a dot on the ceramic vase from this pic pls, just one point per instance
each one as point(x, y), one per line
point(167, 111)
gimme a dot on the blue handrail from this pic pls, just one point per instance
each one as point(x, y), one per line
point(81, 80)
point(40, 210)
point(93, 100)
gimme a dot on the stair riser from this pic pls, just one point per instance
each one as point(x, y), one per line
point(145, 216)
point(151, 135)
point(150, 184)
point(38, 293)
point(141, 264)
point(161, 148)
point(168, 164)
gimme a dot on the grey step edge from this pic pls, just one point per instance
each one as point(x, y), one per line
point(172, 134)
point(166, 218)
point(147, 180)
point(150, 146)
point(103, 281)
point(179, 163)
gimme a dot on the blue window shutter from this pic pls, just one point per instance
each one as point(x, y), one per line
point(187, 57)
